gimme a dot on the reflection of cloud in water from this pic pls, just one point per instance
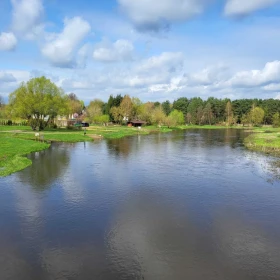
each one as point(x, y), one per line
point(148, 240)
point(265, 166)
point(73, 189)
point(12, 263)
point(246, 247)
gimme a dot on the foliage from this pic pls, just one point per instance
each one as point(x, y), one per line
point(276, 120)
point(94, 110)
point(74, 104)
point(158, 116)
point(181, 104)
point(38, 99)
point(176, 118)
point(166, 107)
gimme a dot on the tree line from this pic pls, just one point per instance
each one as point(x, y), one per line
point(40, 101)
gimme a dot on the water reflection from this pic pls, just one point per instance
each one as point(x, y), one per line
point(183, 205)
point(46, 166)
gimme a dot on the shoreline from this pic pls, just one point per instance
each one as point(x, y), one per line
point(18, 143)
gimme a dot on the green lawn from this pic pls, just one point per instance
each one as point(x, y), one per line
point(267, 142)
point(13, 151)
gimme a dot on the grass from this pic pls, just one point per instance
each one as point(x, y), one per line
point(265, 141)
point(15, 141)
point(13, 152)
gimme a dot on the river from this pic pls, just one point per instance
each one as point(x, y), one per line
point(184, 205)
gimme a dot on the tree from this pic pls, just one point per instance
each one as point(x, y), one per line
point(158, 116)
point(147, 112)
point(74, 104)
point(208, 114)
point(126, 108)
point(104, 119)
point(116, 114)
point(195, 108)
point(94, 109)
point(276, 120)
point(181, 104)
point(199, 115)
point(229, 114)
point(177, 117)
point(255, 116)
point(137, 108)
point(166, 106)
point(39, 100)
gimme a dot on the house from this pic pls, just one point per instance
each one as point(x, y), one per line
point(136, 123)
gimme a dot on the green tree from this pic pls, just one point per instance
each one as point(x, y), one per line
point(126, 108)
point(256, 116)
point(208, 114)
point(177, 117)
point(137, 108)
point(74, 104)
point(158, 116)
point(276, 120)
point(181, 104)
point(166, 106)
point(229, 114)
point(38, 100)
point(94, 109)
point(195, 108)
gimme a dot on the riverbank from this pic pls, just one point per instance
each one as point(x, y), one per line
point(18, 141)
point(13, 153)
point(264, 141)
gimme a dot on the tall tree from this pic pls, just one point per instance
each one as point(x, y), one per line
point(166, 106)
point(37, 100)
point(94, 110)
point(229, 114)
point(208, 114)
point(181, 104)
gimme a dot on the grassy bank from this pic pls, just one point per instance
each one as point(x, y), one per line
point(18, 141)
point(264, 141)
point(13, 151)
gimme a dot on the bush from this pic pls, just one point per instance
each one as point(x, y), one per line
point(9, 122)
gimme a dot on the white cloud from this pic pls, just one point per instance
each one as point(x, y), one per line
point(62, 47)
point(82, 55)
point(27, 17)
point(110, 52)
point(243, 8)
point(155, 15)
point(8, 41)
point(270, 74)
point(6, 77)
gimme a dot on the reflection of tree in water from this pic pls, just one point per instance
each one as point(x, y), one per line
point(120, 147)
point(47, 166)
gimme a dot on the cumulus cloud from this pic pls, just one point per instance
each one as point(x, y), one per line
point(8, 41)
point(61, 48)
point(243, 8)
point(154, 15)
point(27, 17)
point(270, 74)
point(110, 52)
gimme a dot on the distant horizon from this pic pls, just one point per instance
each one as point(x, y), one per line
point(153, 50)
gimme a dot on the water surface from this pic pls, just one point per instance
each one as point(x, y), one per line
point(184, 205)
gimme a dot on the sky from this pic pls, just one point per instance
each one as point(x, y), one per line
point(150, 49)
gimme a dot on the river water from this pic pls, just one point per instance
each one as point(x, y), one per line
point(184, 205)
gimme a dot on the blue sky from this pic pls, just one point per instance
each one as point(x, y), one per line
point(154, 50)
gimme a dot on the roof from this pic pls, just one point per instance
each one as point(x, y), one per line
point(137, 122)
